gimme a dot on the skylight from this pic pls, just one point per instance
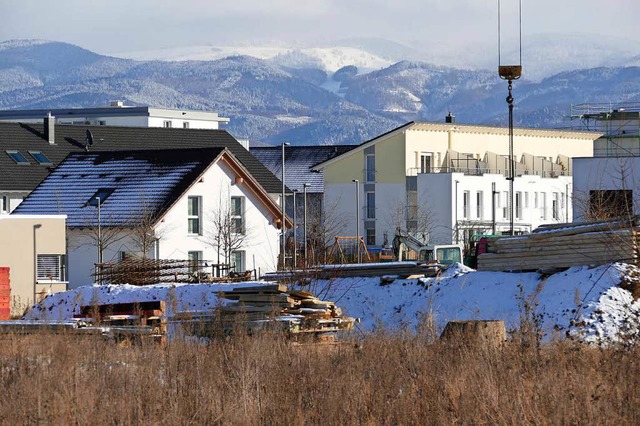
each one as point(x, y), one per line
point(17, 157)
point(101, 194)
point(40, 157)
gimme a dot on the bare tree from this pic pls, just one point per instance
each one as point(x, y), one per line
point(325, 222)
point(144, 230)
point(226, 229)
point(406, 214)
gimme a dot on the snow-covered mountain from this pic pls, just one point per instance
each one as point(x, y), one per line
point(295, 96)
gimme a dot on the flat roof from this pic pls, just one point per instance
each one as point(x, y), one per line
point(107, 111)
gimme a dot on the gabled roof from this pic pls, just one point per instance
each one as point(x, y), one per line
point(71, 138)
point(299, 162)
point(464, 128)
point(135, 185)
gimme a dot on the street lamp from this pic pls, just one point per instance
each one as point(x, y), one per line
point(283, 202)
point(357, 218)
point(35, 262)
point(295, 234)
point(304, 189)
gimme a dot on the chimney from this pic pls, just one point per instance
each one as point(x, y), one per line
point(450, 118)
point(50, 128)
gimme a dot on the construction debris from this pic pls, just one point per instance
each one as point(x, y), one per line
point(563, 246)
point(269, 307)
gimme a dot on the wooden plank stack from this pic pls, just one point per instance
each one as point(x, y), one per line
point(269, 307)
point(563, 246)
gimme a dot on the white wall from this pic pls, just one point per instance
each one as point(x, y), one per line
point(604, 173)
point(438, 193)
point(12, 200)
point(216, 189)
point(178, 123)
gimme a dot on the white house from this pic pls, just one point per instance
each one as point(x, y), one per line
point(472, 204)
point(164, 204)
point(389, 172)
point(117, 114)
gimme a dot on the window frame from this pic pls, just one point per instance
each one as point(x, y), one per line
point(480, 204)
point(370, 169)
point(185, 125)
point(370, 212)
point(370, 236)
point(19, 157)
point(235, 216)
point(243, 260)
point(167, 124)
point(421, 163)
point(466, 208)
point(34, 155)
point(194, 218)
point(59, 265)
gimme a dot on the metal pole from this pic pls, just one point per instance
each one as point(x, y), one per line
point(304, 188)
point(99, 232)
point(456, 214)
point(493, 208)
point(512, 172)
point(295, 233)
point(283, 205)
point(357, 219)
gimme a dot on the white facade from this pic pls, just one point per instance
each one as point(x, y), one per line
point(458, 205)
point(119, 115)
point(613, 174)
point(214, 190)
point(9, 200)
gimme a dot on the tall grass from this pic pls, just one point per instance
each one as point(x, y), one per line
point(385, 378)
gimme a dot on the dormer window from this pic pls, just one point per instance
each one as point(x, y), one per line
point(40, 158)
point(18, 157)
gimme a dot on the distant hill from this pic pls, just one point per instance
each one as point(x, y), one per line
point(295, 99)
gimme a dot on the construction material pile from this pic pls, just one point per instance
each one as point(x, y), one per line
point(562, 246)
point(270, 307)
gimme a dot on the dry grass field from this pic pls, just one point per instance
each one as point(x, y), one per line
point(386, 378)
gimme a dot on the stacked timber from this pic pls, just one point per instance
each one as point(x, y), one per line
point(272, 307)
point(560, 247)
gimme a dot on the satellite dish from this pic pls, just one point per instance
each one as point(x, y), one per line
point(88, 140)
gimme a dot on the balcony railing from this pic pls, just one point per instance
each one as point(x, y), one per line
point(477, 171)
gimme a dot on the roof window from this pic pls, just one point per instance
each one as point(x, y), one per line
point(40, 158)
point(100, 197)
point(17, 157)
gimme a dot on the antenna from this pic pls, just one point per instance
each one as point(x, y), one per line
point(88, 140)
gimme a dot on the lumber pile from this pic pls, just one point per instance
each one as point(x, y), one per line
point(563, 246)
point(272, 307)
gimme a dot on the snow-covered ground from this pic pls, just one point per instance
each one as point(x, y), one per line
point(581, 295)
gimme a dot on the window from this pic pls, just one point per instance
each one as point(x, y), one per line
point(555, 206)
point(518, 205)
point(195, 260)
point(102, 123)
point(609, 204)
point(371, 236)
point(425, 162)
point(505, 205)
point(193, 215)
point(101, 195)
point(479, 204)
point(4, 204)
point(237, 215)
point(40, 157)
point(543, 205)
point(185, 125)
point(526, 200)
point(18, 157)
point(370, 168)
point(535, 200)
point(465, 204)
point(167, 124)
point(238, 261)
point(51, 267)
point(371, 205)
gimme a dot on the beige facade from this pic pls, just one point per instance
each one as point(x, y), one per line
point(386, 170)
point(34, 248)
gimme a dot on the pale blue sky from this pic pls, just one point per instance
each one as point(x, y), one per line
point(108, 26)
